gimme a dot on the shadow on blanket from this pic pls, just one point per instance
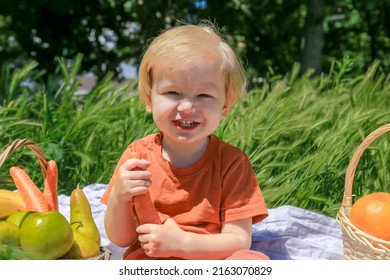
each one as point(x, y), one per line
point(288, 233)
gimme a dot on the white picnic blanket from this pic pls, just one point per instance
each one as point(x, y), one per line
point(294, 233)
point(287, 233)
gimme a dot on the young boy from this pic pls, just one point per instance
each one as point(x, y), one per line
point(204, 190)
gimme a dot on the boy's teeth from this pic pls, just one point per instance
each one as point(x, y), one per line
point(186, 123)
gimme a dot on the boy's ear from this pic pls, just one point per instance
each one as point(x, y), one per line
point(225, 111)
point(148, 108)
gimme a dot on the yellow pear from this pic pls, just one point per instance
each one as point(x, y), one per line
point(81, 217)
point(82, 248)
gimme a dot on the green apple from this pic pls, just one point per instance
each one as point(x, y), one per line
point(9, 233)
point(19, 217)
point(47, 235)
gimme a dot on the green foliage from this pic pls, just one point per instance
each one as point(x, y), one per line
point(299, 132)
point(266, 33)
point(12, 252)
point(106, 32)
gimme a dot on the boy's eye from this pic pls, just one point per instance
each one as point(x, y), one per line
point(172, 93)
point(204, 95)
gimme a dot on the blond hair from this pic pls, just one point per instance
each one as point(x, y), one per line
point(184, 42)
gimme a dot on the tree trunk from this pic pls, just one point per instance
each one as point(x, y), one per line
point(311, 55)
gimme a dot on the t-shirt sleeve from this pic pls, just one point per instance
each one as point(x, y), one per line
point(241, 194)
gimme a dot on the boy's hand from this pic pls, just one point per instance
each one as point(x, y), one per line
point(132, 179)
point(161, 241)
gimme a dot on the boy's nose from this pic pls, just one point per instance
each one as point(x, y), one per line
point(186, 105)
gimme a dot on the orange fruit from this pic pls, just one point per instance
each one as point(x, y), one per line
point(371, 214)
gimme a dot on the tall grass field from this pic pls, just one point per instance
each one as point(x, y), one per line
point(299, 132)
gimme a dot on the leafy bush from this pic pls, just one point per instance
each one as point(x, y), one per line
point(299, 132)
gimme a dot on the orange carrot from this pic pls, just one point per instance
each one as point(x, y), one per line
point(32, 196)
point(143, 207)
point(51, 183)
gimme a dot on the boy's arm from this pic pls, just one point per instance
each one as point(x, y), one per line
point(119, 220)
point(119, 223)
point(235, 235)
point(169, 240)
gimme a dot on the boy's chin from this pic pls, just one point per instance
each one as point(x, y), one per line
point(188, 139)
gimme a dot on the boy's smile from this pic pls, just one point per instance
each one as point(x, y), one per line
point(186, 125)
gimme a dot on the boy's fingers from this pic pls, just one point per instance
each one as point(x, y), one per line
point(134, 164)
point(138, 190)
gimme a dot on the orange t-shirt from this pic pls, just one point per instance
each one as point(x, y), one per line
point(219, 188)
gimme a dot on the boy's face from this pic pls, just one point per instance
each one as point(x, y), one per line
point(188, 99)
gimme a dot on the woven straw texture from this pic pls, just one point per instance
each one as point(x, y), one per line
point(105, 254)
point(359, 245)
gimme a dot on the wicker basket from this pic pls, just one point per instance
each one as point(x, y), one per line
point(105, 254)
point(19, 143)
point(359, 245)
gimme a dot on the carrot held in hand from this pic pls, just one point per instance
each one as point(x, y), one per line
point(51, 184)
point(143, 207)
point(32, 196)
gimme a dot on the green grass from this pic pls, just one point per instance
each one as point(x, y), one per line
point(299, 132)
point(13, 252)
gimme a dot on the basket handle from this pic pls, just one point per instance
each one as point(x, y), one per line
point(19, 143)
point(347, 199)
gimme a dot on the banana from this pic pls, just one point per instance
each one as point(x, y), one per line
point(10, 202)
point(11, 195)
